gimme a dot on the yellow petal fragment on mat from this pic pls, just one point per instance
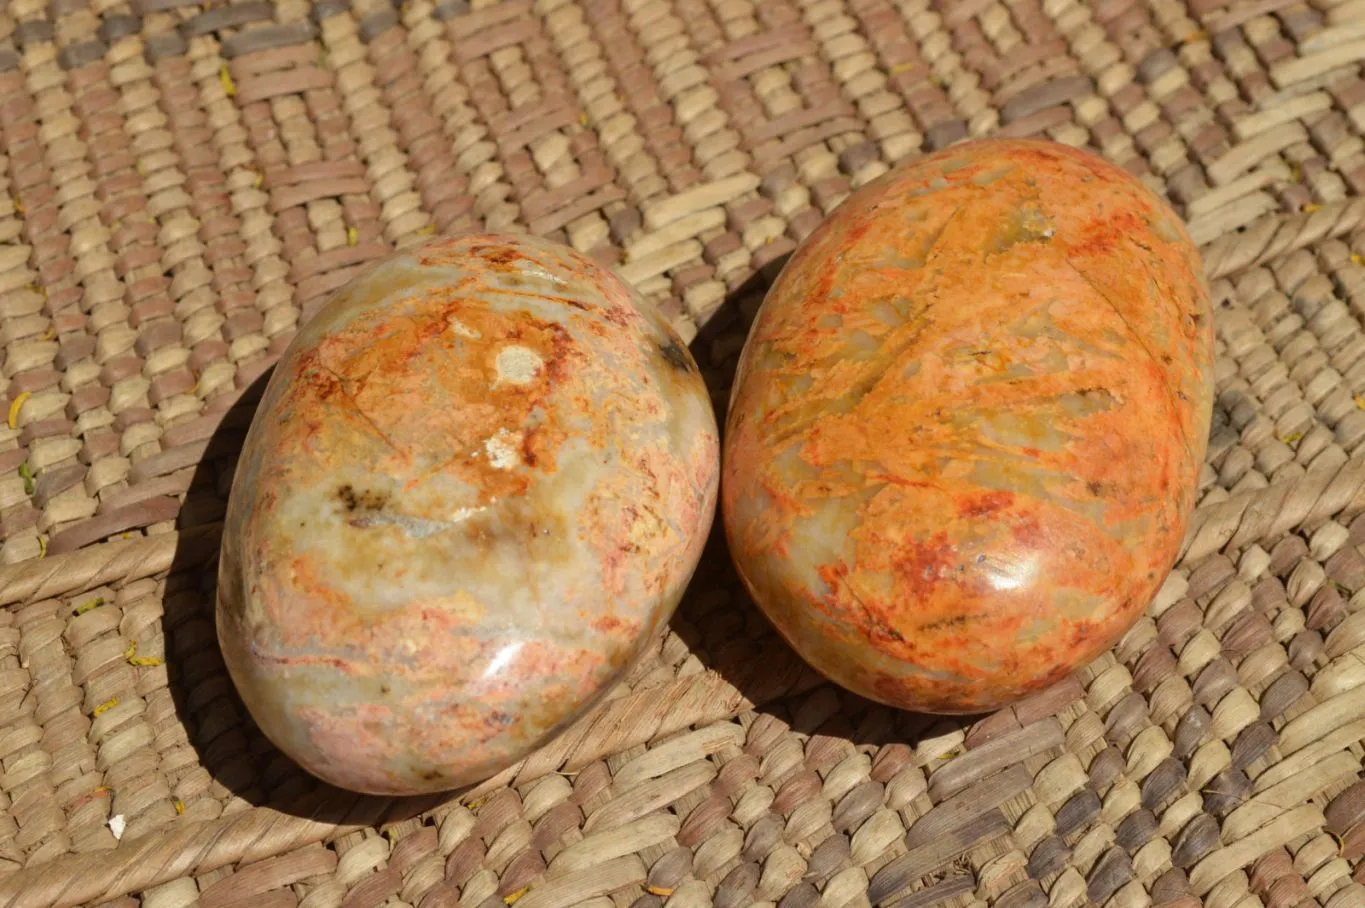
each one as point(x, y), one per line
point(14, 406)
point(87, 606)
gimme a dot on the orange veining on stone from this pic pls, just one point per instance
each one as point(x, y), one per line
point(476, 485)
point(965, 434)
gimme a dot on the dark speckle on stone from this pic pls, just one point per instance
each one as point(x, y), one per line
point(360, 500)
point(676, 356)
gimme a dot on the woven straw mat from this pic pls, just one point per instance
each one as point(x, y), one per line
point(183, 182)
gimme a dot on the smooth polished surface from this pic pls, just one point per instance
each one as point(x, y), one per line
point(476, 486)
point(966, 430)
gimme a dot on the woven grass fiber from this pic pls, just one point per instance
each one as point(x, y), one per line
point(183, 182)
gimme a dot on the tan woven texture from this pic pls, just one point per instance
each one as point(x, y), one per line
point(184, 182)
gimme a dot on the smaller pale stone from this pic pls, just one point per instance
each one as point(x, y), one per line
point(477, 484)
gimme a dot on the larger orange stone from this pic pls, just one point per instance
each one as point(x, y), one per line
point(966, 430)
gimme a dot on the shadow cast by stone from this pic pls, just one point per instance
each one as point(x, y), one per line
point(230, 747)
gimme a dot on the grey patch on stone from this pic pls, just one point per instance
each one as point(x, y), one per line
point(268, 37)
point(74, 56)
point(9, 61)
point(164, 46)
point(116, 27)
point(225, 17)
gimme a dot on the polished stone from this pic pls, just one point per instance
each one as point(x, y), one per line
point(966, 430)
point(476, 486)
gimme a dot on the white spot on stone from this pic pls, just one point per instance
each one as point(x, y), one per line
point(416, 527)
point(534, 270)
point(502, 449)
point(462, 514)
point(518, 365)
point(461, 328)
point(419, 528)
point(116, 825)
